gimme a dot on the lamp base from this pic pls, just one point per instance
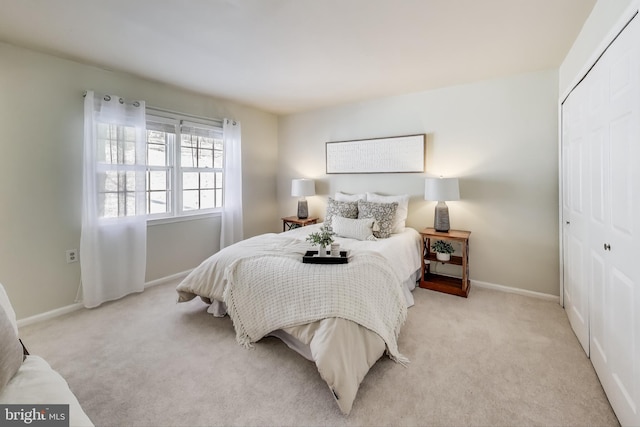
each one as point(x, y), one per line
point(303, 209)
point(441, 218)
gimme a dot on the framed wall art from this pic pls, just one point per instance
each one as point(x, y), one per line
point(397, 154)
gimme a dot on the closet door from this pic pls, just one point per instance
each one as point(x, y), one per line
point(614, 227)
point(575, 199)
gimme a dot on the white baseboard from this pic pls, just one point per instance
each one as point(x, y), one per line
point(167, 279)
point(540, 295)
point(49, 314)
point(77, 306)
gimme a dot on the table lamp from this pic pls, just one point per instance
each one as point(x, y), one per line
point(441, 190)
point(302, 188)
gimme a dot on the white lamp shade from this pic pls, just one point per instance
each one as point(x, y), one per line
point(303, 187)
point(441, 189)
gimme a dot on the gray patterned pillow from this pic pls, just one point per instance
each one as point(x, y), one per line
point(343, 209)
point(384, 214)
point(10, 350)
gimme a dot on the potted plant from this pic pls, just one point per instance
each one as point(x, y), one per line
point(323, 238)
point(443, 250)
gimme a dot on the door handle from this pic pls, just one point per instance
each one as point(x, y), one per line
point(607, 247)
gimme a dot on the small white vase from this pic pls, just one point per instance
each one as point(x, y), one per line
point(443, 257)
point(322, 251)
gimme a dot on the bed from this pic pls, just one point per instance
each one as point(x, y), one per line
point(343, 317)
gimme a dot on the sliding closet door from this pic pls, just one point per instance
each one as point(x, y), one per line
point(574, 213)
point(614, 228)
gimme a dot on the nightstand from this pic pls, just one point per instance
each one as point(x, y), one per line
point(444, 283)
point(291, 222)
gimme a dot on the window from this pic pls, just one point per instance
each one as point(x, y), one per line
point(160, 147)
point(200, 168)
point(116, 170)
point(180, 168)
point(184, 166)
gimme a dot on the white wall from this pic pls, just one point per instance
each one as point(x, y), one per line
point(41, 117)
point(590, 41)
point(498, 136)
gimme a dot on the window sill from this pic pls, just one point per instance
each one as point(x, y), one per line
point(194, 217)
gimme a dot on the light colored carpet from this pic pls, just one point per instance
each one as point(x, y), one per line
point(493, 359)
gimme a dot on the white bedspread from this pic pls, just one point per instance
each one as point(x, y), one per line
point(208, 281)
point(265, 293)
point(342, 350)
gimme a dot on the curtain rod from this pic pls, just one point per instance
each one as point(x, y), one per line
point(163, 110)
point(120, 99)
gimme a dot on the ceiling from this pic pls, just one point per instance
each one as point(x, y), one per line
point(286, 56)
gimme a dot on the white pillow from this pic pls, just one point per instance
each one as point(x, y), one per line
point(344, 197)
point(360, 229)
point(8, 309)
point(10, 350)
point(399, 222)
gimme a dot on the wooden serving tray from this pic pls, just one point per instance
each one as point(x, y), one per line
point(309, 258)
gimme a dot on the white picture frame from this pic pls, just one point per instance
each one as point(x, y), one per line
point(397, 154)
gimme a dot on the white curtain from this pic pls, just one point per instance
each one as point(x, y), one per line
point(231, 230)
point(114, 231)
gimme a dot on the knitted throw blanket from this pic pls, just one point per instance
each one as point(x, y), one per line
point(269, 292)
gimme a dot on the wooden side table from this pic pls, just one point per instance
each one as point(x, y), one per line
point(291, 222)
point(437, 282)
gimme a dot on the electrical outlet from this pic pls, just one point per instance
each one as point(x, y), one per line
point(72, 256)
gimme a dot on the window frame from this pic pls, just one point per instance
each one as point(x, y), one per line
point(176, 211)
